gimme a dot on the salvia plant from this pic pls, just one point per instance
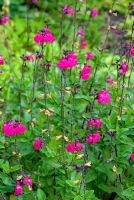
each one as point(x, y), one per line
point(66, 100)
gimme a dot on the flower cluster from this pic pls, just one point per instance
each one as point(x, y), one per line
point(93, 138)
point(123, 69)
point(69, 60)
point(38, 144)
point(132, 156)
point(44, 36)
point(104, 97)
point(68, 10)
point(19, 185)
point(89, 55)
point(95, 122)
point(4, 20)
point(94, 12)
point(12, 128)
point(74, 148)
point(85, 73)
point(132, 51)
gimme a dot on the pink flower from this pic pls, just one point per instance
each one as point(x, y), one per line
point(2, 61)
point(38, 144)
point(110, 80)
point(78, 146)
point(104, 97)
point(96, 136)
point(94, 12)
point(81, 32)
point(89, 56)
point(85, 73)
point(70, 147)
point(83, 43)
point(18, 189)
point(91, 122)
point(12, 128)
point(98, 123)
point(39, 55)
point(68, 10)
point(44, 36)
point(4, 20)
point(69, 60)
point(132, 51)
point(93, 138)
point(28, 181)
point(123, 68)
point(132, 156)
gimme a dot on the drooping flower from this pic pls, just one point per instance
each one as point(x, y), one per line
point(83, 43)
point(78, 146)
point(89, 55)
point(70, 147)
point(104, 97)
point(123, 69)
point(38, 144)
point(132, 156)
point(93, 138)
point(2, 61)
point(39, 55)
point(4, 20)
point(28, 181)
point(85, 73)
point(69, 60)
point(110, 80)
point(18, 189)
point(12, 128)
point(81, 32)
point(68, 10)
point(94, 12)
point(132, 51)
point(44, 36)
point(98, 123)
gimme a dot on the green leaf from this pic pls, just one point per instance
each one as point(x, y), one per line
point(40, 194)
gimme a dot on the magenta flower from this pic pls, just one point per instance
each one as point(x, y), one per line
point(68, 10)
point(110, 80)
point(123, 69)
point(4, 20)
point(132, 51)
point(70, 147)
point(132, 156)
point(38, 144)
point(81, 32)
point(2, 61)
point(78, 146)
point(104, 97)
point(39, 55)
point(93, 138)
point(18, 189)
point(44, 36)
point(83, 43)
point(69, 60)
point(85, 73)
point(28, 181)
point(94, 12)
point(91, 122)
point(98, 123)
point(12, 128)
point(89, 55)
